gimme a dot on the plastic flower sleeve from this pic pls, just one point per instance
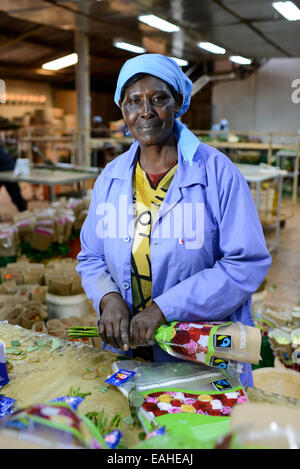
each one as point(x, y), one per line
point(53, 425)
point(218, 344)
point(192, 401)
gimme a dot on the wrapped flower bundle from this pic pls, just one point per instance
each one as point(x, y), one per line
point(219, 344)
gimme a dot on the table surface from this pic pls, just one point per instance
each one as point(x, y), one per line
point(50, 176)
point(260, 173)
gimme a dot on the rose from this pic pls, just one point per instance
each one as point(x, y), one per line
point(184, 326)
point(229, 402)
point(181, 338)
point(164, 406)
point(158, 413)
point(242, 400)
point(226, 410)
point(191, 347)
point(179, 395)
point(216, 404)
point(195, 334)
point(188, 409)
point(165, 398)
point(152, 399)
point(156, 394)
point(149, 406)
point(180, 351)
point(199, 406)
point(175, 410)
point(189, 401)
point(176, 403)
point(205, 406)
point(215, 412)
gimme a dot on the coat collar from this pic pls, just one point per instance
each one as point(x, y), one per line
point(186, 175)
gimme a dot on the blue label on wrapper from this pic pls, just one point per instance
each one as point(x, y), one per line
point(6, 404)
point(113, 438)
point(73, 401)
point(3, 368)
point(120, 377)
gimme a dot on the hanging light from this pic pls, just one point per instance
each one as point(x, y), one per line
point(210, 47)
point(129, 47)
point(287, 9)
point(159, 23)
point(62, 62)
point(238, 59)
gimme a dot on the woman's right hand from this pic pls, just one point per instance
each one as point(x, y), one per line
point(114, 323)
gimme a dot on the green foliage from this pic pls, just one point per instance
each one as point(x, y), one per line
point(77, 393)
point(54, 250)
point(102, 423)
point(7, 260)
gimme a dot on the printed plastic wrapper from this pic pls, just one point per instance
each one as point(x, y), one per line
point(4, 379)
point(73, 401)
point(120, 377)
point(192, 401)
point(113, 438)
point(218, 344)
point(53, 425)
point(6, 405)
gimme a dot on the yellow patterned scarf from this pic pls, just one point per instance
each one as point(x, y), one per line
point(147, 198)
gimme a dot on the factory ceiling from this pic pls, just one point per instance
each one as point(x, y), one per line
point(33, 32)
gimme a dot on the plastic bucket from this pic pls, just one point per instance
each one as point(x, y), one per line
point(66, 306)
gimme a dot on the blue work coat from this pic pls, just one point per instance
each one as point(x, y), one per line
point(205, 265)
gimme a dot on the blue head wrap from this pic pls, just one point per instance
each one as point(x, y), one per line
point(166, 69)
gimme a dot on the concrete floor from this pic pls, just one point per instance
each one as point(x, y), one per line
point(283, 279)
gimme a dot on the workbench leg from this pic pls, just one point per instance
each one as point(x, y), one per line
point(295, 181)
point(257, 197)
point(83, 189)
point(52, 193)
point(278, 211)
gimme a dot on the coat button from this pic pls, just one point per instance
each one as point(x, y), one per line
point(125, 285)
point(126, 239)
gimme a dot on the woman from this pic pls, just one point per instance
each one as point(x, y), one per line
point(172, 231)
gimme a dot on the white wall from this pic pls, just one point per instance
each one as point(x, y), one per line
point(263, 101)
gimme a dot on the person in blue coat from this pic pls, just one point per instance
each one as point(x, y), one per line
point(172, 232)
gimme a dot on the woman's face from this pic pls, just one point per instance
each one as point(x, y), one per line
point(148, 109)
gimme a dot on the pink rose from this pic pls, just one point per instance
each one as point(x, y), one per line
point(189, 401)
point(184, 326)
point(175, 410)
point(226, 410)
point(191, 347)
point(242, 400)
point(151, 399)
point(200, 412)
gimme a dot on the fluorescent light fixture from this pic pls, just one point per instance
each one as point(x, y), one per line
point(159, 23)
point(130, 47)
point(63, 62)
point(240, 60)
point(287, 9)
point(211, 47)
point(180, 62)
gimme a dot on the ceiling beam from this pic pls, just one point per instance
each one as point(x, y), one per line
point(20, 37)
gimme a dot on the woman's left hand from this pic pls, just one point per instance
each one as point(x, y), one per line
point(144, 324)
